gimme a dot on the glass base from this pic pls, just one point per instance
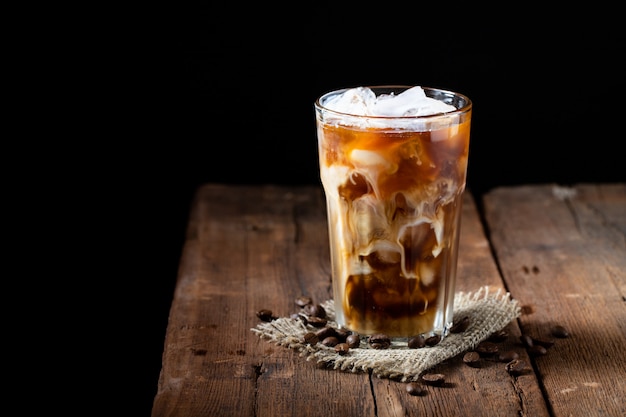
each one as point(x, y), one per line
point(423, 340)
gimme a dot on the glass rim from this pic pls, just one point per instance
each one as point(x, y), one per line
point(464, 109)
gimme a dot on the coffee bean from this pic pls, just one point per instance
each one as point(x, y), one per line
point(330, 341)
point(416, 342)
point(560, 332)
point(353, 340)
point(433, 340)
point(415, 389)
point(537, 350)
point(303, 300)
point(507, 356)
point(434, 379)
point(517, 367)
point(315, 310)
point(472, 359)
point(265, 315)
point(526, 340)
point(317, 321)
point(325, 332)
point(310, 338)
point(499, 336)
point(342, 348)
point(486, 348)
point(342, 334)
point(379, 341)
point(461, 325)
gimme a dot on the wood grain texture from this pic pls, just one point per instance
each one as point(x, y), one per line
point(562, 252)
point(259, 247)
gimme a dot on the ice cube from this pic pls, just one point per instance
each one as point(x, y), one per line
point(411, 102)
point(353, 101)
point(363, 101)
point(372, 161)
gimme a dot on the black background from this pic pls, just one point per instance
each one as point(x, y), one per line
point(231, 95)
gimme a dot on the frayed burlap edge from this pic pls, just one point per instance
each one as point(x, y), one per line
point(489, 311)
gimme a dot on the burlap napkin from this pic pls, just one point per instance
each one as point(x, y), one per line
point(489, 310)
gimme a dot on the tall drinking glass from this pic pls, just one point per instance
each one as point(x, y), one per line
point(393, 165)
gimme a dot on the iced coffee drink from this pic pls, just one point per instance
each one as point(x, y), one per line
point(393, 164)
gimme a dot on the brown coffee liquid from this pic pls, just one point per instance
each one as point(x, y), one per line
point(394, 203)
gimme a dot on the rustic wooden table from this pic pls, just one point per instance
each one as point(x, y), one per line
point(559, 251)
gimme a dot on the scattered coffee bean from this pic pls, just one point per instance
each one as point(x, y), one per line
point(486, 348)
point(315, 310)
point(527, 309)
point(265, 315)
point(330, 341)
point(537, 350)
point(526, 340)
point(343, 340)
point(434, 379)
point(499, 336)
point(472, 359)
point(415, 389)
point(342, 334)
point(342, 348)
point(433, 340)
point(310, 338)
point(353, 340)
point(325, 332)
point(517, 367)
point(560, 332)
point(379, 341)
point(416, 342)
point(461, 325)
point(303, 300)
point(376, 345)
point(317, 321)
point(507, 356)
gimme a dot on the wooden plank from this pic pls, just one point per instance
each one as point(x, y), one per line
point(251, 248)
point(562, 252)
